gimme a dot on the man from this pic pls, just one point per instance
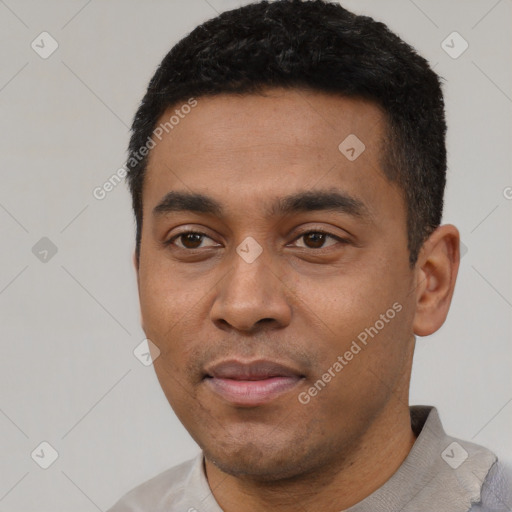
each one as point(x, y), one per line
point(287, 168)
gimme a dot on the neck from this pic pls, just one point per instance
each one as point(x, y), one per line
point(377, 457)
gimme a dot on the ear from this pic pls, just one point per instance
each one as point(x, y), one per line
point(436, 273)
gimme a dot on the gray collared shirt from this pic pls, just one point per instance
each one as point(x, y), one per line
point(440, 474)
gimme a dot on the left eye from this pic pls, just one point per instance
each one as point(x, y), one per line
point(317, 239)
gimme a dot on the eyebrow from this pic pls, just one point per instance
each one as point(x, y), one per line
point(301, 202)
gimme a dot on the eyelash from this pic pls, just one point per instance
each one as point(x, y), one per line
point(316, 231)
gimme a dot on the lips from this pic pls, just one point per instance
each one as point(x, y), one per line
point(251, 384)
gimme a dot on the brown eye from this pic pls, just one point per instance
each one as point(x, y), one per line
point(314, 240)
point(317, 239)
point(189, 240)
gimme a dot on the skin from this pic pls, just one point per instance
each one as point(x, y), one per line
point(300, 302)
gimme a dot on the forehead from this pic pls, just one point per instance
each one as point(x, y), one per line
point(269, 144)
point(277, 118)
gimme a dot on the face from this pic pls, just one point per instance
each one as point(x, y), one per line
point(274, 278)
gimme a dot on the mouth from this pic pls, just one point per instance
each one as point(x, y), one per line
point(251, 384)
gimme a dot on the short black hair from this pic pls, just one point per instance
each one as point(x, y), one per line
point(319, 46)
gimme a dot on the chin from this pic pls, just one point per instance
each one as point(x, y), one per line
point(265, 462)
point(260, 469)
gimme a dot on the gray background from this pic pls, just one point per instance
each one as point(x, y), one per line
point(70, 323)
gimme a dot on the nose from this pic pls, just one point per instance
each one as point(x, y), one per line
point(252, 296)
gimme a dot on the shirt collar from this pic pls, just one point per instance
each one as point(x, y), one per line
point(440, 473)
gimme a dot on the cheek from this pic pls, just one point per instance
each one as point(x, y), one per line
point(163, 314)
point(174, 314)
point(343, 305)
point(164, 299)
point(362, 317)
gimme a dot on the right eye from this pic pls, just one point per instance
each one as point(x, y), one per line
point(190, 240)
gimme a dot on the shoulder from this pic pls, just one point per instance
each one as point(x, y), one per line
point(166, 488)
point(496, 493)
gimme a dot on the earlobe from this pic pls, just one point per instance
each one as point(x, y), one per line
point(437, 268)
